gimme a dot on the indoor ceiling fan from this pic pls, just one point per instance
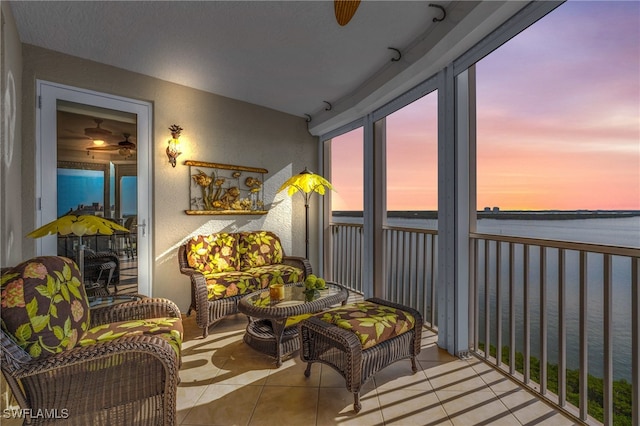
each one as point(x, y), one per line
point(126, 148)
point(97, 133)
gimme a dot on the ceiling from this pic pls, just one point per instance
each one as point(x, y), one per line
point(72, 120)
point(290, 56)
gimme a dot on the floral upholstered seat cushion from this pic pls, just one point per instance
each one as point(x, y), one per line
point(227, 284)
point(372, 323)
point(276, 274)
point(169, 329)
point(44, 305)
point(259, 248)
point(213, 253)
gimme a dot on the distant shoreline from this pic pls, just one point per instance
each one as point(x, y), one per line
point(509, 214)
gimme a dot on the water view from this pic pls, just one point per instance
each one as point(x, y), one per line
point(620, 229)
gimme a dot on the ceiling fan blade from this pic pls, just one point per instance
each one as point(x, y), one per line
point(345, 9)
point(126, 144)
point(104, 148)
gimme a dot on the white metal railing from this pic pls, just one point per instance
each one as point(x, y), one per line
point(541, 306)
point(346, 255)
point(410, 264)
point(410, 258)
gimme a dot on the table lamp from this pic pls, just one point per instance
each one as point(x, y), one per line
point(79, 226)
point(307, 183)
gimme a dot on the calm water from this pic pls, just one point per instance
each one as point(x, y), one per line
point(624, 232)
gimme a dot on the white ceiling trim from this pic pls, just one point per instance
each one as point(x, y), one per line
point(467, 23)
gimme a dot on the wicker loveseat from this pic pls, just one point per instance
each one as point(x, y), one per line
point(224, 267)
point(63, 361)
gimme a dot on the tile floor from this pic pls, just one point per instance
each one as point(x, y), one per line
point(225, 382)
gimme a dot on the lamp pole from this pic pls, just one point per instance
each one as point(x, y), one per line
point(307, 183)
point(81, 258)
point(306, 226)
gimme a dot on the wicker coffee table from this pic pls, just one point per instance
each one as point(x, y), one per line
point(267, 331)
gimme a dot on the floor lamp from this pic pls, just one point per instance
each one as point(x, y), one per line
point(307, 183)
point(79, 226)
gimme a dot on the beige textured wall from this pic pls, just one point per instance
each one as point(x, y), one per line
point(10, 154)
point(10, 140)
point(216, 129)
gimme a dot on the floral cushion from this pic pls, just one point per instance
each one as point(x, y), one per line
point(294, 320)
point(276, 274)
point(213, 253)
point(227, 284)
point(44, 305)
point(372, 323)
point(259, 248)
point(169, 329)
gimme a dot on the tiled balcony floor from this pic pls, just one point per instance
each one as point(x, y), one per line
point(225, 382)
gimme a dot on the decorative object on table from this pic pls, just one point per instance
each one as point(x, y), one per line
point(307, 183)
point(173, 147)
point(312, 287)
point(79, 226)
point(276, 292)
point(225, 189)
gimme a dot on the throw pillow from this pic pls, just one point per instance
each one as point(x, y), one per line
point(213, 253)
point(259, 248)
point(44, 305)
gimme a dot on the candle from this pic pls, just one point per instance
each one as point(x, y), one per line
point(276, 291)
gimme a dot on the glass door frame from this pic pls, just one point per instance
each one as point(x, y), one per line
point(46, 165)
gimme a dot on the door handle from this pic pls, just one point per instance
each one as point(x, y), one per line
point(143, 227)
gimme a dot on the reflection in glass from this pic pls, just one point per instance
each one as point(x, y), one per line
point(129, 195)
point(80, 191)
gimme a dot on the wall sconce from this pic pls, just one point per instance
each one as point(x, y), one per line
point(173, 150)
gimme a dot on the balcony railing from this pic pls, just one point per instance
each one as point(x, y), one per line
point(410, 257)
point(346, 255)
point(411, 265)
point(558, 317)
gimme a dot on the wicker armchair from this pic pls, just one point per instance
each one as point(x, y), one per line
point(111, 365)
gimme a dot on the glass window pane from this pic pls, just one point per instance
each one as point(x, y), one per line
point(412, 163)
point(559, 113)
point(347, 170)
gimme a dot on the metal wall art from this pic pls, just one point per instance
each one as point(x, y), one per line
point(225, 189)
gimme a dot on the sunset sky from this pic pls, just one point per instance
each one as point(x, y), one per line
point(558, 122)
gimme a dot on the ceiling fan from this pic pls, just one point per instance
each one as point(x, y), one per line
point(344, 10)
point(97, 133)
point(126, 148)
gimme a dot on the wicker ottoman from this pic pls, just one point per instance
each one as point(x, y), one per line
point(355, 356)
